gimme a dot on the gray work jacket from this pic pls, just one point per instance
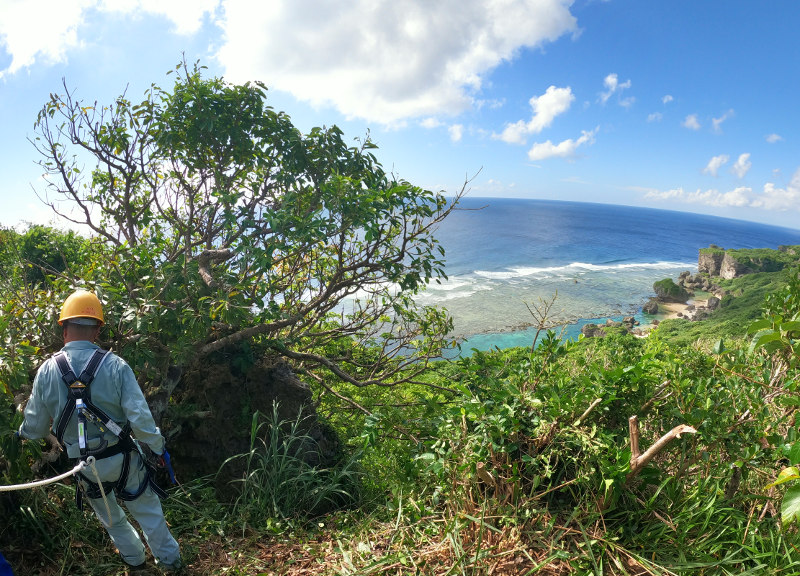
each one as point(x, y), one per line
point(114, 390)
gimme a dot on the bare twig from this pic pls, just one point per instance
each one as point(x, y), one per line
point(638, 460)
point(588, 411)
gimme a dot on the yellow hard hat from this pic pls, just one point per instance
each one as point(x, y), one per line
point(82, 304)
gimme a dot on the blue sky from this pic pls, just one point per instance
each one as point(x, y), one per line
point(680, 105)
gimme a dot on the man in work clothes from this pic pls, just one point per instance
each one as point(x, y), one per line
point(115, 392)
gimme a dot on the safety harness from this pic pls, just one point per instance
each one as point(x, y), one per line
point(79, 398)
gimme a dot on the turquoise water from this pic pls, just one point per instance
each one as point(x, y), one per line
point(601, 259)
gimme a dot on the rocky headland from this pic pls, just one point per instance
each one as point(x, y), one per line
point(696, 297)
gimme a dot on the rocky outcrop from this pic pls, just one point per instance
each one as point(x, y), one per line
point(729, 264)
point(667, 291)
point(732, 268)
point(225, 395)
point(651, 307)
point(600, 330)
point(593, 331)
point(710, 261)
point(713, 303)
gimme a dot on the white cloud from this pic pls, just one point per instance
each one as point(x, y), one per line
point(715, 164)
point(717, 122)
point(612, 83)
point(742, 165)
point(546, 107)
point(655, 117)
point(564, 149)
point(771, 198)
point(772, 138)
point(627, 102)
point(456, 131)
point(691, 122)
point(430, 123)
point(667, 99)
point(381, 60)
point(45, 30)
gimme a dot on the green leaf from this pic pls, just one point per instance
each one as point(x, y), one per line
point(719, 347)
point(786, 475)
point(759, 325)
point(790, 326)
point(794, 454)
point(761, 339)
point(790, 507)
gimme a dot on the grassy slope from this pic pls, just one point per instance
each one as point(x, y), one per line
point(737, 313)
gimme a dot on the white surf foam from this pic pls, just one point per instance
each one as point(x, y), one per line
point(580, 268)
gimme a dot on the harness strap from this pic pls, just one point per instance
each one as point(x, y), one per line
point(93, 490)
point(78, 389)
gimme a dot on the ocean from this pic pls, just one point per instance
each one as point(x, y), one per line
point(601, 259)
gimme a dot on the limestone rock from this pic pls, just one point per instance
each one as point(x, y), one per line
point(731, 268)
point(593, 330)
point(711, 262)
point(713, 303)
point(227, 395)
point(667, 291)
point(651, 307)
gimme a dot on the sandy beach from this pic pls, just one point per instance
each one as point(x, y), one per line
point(671, 310)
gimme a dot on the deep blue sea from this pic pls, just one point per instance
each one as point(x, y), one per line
point(601, 259)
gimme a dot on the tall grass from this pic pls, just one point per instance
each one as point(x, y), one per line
point(278, 482)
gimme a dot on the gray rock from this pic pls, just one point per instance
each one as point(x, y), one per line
point(592, 331)
point(650, 307)
point(701, 314)
point(732, 268)
point(629, 320)
point(710, 263)
point(713, 303)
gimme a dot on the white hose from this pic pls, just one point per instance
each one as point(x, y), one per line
point(10, 488)
point(90, 461)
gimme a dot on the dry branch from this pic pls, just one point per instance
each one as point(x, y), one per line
point(588, 411)
point(484, 474)
point(639, 460)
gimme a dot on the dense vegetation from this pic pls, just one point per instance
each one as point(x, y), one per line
point(515, 461)
point(738, 310)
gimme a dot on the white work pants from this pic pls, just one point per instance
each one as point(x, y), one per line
point(146, 509)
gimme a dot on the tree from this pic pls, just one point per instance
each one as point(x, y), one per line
point(218, 222)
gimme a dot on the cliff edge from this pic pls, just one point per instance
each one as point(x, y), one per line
point(729, 264)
